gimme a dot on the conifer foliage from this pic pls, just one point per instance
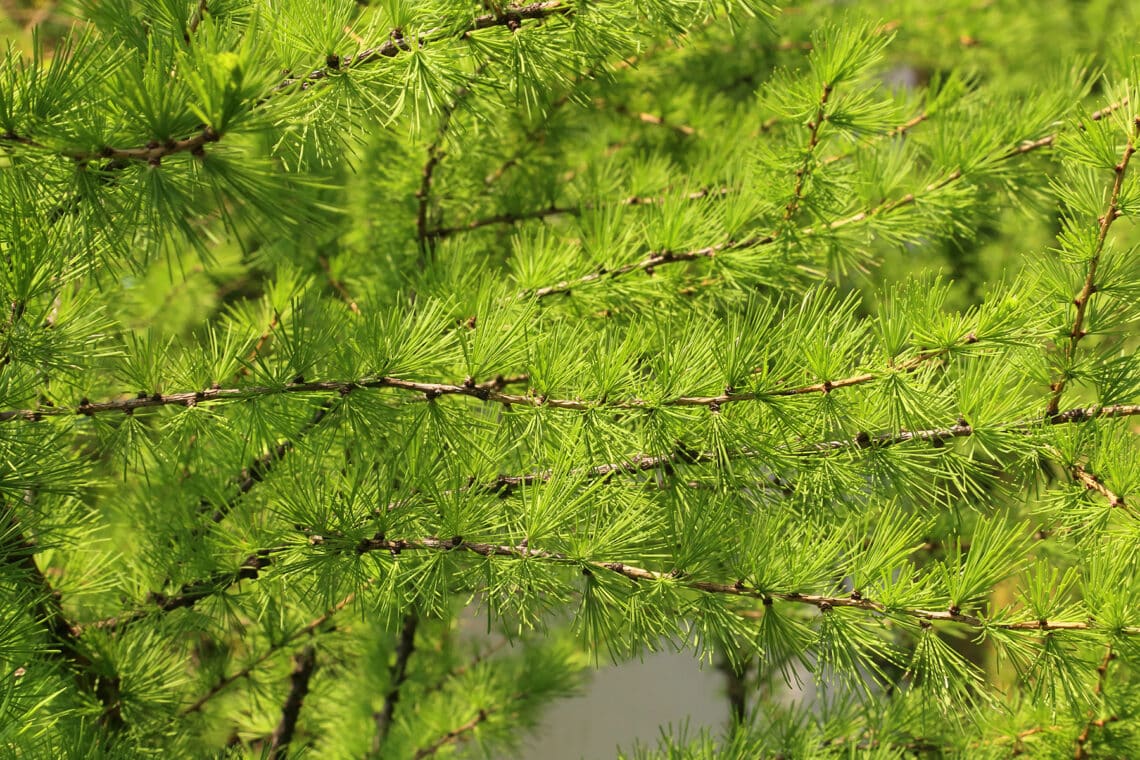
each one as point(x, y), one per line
point(799, 339)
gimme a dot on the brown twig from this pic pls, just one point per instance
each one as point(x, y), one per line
point(1082, 300)
point(154, 152)
point(648, 118)
point(262, 466)
point(510, 16)
point(196, 19)
point(556, 210)
point(405, 646)
point(459, 733)
point(435, 154)
point(1092, 483)
point(304, 664)
point(259, 346)
point(896, 131)
point(189, 594)
point(1081, 751)
point(802, 173)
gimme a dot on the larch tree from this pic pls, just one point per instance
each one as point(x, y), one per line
point(801, 339)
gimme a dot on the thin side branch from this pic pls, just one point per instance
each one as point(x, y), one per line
point(814, 127)
point(896, 131)
point(155, 152)
point(510, 16)
point(1082, 300)
point(196, 19)
point(337, 285)
point(1092, 483)
point(189, 594)
point(489, 391)
point(460, 733)
point(1081, 751)
point(556, 210)
point(262, 466)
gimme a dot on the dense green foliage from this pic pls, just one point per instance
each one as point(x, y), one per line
point(801, 339)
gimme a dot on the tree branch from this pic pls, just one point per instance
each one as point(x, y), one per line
point(823, 602)
point(814, 127)
point(337, 285)
point(896, 131)
point(154, 152)
point(434, 155)
point(1082, 300)
point(556, 210)
point(262, 466)
point(190, 593)
point(490, 391)
point(48, 609)
point(510, 16)
point(304, 664)
point(1081, 751)
point(1092, 483)
point(244, 672)
point(405, 645)
point(459, 733)
point(196, 19)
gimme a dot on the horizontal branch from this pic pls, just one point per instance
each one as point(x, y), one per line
point(911, 198)
point(823, 602)
point(963, 429)
point(510, 16)
point(490, 391)
point(896, 131)
point(651, 262)
point(190, 593)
